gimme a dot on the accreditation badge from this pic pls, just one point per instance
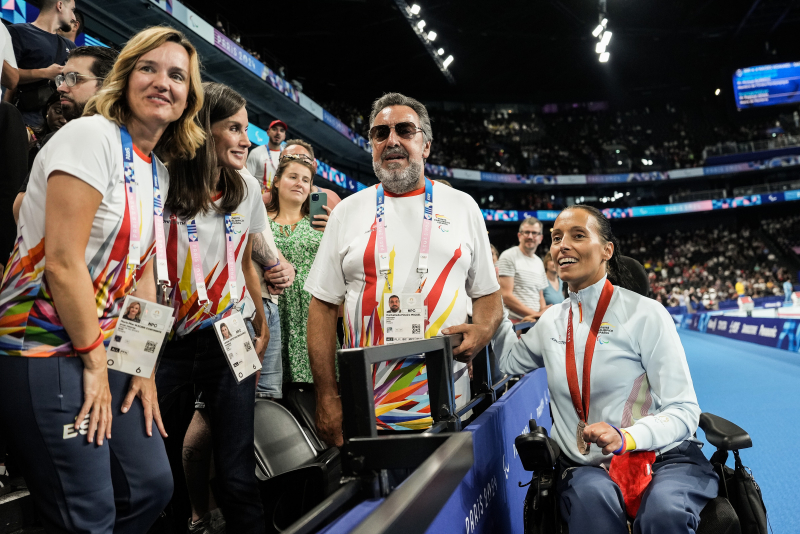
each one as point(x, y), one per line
point(137, 339)
point(237, 345)
point(403, 317)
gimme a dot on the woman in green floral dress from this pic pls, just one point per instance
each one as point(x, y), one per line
point(288, 211)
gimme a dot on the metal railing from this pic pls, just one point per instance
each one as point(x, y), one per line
point(732, 147)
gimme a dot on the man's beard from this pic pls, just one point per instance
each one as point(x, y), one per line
point(72, 111)
point(399, 181)
point(66, 27)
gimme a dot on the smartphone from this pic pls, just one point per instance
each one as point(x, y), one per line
point(315, 206)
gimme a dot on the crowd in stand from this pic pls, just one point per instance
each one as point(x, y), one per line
point(709, 266)
point(577, 140)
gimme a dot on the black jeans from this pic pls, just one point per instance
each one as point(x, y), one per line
point(193, 364)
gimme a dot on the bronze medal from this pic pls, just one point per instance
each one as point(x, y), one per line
point(583, 447)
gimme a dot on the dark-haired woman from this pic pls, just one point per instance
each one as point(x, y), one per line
point(298, 241)
point(619, 382)
point(210, 216)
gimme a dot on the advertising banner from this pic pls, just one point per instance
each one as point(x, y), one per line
point(770, 332)
point(489, 500)
point(238, 54)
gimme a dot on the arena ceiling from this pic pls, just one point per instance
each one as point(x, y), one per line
point(534, 51)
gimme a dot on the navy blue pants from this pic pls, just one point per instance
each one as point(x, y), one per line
point(683, 482)
point(120, 487)
point(192, 365)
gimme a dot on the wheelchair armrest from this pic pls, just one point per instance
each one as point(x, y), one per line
point(537, 450)
point(723, 434)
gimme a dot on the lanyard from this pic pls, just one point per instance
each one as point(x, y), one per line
point(131, 190)
point(267, 184)
point(581, 403)
point(197, 262)
point(425, 241)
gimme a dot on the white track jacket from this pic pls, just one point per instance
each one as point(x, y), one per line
point(640, 380)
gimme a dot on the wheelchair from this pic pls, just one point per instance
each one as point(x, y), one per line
point(539, 453)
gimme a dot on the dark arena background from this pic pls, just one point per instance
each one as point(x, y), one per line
point(679, 120)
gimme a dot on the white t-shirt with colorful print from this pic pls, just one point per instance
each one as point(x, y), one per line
point(459, 269)
point(249, 217)
point(90, 149)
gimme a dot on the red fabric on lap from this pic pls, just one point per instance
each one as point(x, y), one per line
point(632, 472)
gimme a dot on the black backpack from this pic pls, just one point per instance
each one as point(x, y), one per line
point(743, 492)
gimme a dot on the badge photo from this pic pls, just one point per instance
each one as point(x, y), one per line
point(138, 336)
point(237, 345)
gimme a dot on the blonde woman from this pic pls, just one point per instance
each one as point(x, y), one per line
point(75, 261)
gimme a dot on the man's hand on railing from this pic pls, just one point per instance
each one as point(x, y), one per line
point(476, 337)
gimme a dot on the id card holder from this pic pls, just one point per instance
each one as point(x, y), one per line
point(137, 339)
point(403, 317)
point(237, 345)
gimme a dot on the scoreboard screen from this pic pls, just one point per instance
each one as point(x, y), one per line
point(767, 85)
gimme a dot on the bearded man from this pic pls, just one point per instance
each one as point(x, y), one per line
point(405, 236)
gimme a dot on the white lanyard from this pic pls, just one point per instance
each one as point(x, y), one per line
point(197, 262)
point(131, 193)
point(268, 184)
point(425, 241)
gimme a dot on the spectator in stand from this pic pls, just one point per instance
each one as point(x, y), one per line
point(77, 28)
point(58, 386)
point(224, 211)
point(9, 73)
point(82, 77)
point(298, 240)
point(263, 161)
point(298, 146)
point(41, 54)
point(522, 276)
point(13, 155)
point(349, 270)
point(553, 293)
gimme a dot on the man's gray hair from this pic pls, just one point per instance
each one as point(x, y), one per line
point(530, 221)
point(396, 99)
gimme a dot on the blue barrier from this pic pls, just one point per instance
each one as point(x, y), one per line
point(489, 499)
point(771, 332)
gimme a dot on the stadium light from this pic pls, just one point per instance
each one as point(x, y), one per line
point(606, 38)
point(447, 61)
point(411, 12)
point(597, 31)
point(604, 57)
point(604, 23)
point(600, 48)
point(717, 92)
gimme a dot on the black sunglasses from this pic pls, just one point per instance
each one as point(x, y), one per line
point(406, 130)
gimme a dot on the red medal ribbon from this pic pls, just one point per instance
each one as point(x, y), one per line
point(581, 403)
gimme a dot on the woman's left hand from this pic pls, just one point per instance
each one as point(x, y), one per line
point(145, 389)
point(321, 221)
point(262, 340)
point(604, 436)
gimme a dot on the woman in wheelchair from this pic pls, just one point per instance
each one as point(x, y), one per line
point(624, 408)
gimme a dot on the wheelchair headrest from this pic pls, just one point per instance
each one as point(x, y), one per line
point(639, 275)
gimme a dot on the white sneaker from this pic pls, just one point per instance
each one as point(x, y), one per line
point(212, 523)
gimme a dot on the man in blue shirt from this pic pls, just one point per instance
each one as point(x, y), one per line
point(787, 291)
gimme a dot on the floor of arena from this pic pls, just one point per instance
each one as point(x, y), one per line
point(753, 386)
